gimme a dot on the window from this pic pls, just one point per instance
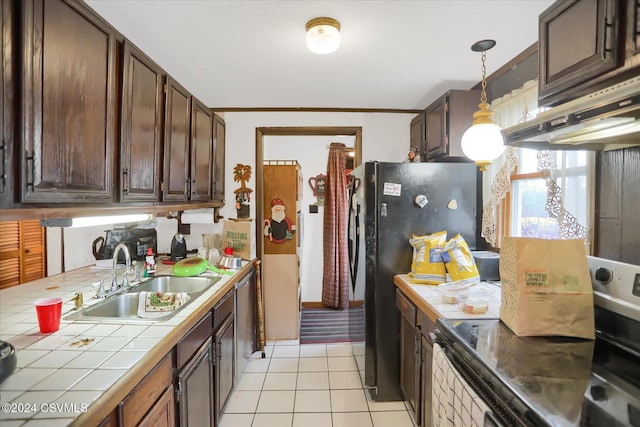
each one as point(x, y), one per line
point(528, 208)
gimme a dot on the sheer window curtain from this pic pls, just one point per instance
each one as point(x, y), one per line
point(335, 278)
point(517, 106)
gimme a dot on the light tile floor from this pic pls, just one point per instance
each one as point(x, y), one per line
point(310, 385)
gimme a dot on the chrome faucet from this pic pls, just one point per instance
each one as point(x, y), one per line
point(127, 256)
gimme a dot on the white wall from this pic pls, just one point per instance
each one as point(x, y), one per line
point(385, 137)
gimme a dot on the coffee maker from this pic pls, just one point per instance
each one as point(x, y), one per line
point(178, 247)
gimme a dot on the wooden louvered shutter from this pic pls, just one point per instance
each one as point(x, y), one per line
point(22, 252)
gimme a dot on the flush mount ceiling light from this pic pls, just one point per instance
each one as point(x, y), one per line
point(483, 141)
point(323, 35)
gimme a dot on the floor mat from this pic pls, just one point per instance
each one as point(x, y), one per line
point(327, 325)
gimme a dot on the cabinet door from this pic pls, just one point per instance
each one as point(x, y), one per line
point(177, 123)
point(417, 133)
point(201, 152)
point(162, 413)
point(141, 121)
point(68, 103)
point(219, 138)
point(410, 366)
point(578, 41)
point(435, 129)
point(22, 252)
point(426, 390)
point(224, 365)
point(633, 31)
point(7, 110)
point(195, 390)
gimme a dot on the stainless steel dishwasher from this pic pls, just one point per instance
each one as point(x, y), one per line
point(245, 333)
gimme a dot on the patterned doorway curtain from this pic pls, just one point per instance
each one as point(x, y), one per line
point(335, 279)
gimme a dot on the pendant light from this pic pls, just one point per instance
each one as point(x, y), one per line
point(483, 141)
point(323, 35)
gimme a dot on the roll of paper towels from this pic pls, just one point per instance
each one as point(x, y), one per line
point(197, 216)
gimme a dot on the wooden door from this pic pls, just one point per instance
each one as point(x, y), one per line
point(224, 357)
point(578, 42)
point(141, 126)
point(177, 123)
point(219, 137)
point(22, 252)
point(435, 129)
point(201, 152)
point(7, 110)
point(162, 413)
point(68, 103)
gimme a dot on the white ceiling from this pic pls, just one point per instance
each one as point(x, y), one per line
point(393, 54)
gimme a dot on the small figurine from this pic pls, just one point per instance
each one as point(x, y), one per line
point(149, 264)
point(242, 173)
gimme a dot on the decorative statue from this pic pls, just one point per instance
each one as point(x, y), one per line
point(242, 173)
point(278, 228)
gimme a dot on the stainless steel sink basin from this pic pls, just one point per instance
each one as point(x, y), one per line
point(124, 306)
point(191, 285)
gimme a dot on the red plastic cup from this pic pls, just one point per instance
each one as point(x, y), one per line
point(49, 311)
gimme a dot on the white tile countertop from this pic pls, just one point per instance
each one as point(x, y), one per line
point(429, 300)
point(60, 377)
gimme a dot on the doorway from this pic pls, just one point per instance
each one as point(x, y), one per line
point(289, 151)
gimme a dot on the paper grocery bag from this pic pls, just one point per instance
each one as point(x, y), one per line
point(239, 235)
point(546, 288)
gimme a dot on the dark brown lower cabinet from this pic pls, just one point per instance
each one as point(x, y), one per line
point(426, 327)
point(223, 339)
point(162, 414)
point(409, 355)
point(194, 393)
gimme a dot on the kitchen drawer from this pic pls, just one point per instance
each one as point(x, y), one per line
point(222, 309)
point(135, 406)
point(406, 307)
point(193, 340)
point(426, 325)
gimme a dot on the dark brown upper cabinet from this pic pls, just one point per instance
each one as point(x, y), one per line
point(140, 126)
point(447, 118)
point(177, 124)
point(219, 138)
point(7, 110)
point(68, 103)
point(202, 172)
point(417, 131)
point(585, 46)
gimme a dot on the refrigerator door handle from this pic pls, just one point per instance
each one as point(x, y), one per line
point(383, 210)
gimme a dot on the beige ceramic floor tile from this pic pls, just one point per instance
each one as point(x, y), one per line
point(280, 381)
point(342, 364)
point(313, 381)
point(313, 364)
point(313, 350)
point(236, 420)
point(312, 401)
point(348, 401)
point(283, 364)
point(352, 419)
point(251, 381)
point(276, 401)
point(391, 418)
point(345, 380)
point(242, 402)
point(286, 351)
point(272, 420)
point(302, 419)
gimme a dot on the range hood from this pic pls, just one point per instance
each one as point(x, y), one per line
point(604, 120)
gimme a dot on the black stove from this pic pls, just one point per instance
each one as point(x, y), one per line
point(558, 381)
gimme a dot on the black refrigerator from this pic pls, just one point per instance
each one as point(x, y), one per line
point(385, 211)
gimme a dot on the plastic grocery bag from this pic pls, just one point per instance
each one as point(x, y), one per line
point(426, 265)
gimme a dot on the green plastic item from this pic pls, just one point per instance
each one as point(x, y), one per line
point(190, 267)
point(220, 270)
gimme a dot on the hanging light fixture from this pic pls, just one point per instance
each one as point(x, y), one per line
point(483, 141)
point(323, 35)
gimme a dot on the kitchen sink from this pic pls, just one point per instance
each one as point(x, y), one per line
point(124, 306)
point(194, 286)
